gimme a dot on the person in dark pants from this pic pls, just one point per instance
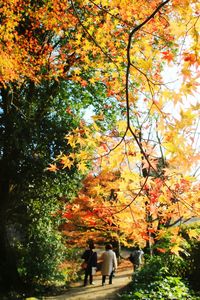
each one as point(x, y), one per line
point(90, 259)
point(109, 264)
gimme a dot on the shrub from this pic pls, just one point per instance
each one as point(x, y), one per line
point(193, 261)
point(44, 249)
point(166, 288)
point(154, 281)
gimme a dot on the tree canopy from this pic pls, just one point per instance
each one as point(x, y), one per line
point(149, 61)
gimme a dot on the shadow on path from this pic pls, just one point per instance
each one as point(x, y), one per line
point(122, 278)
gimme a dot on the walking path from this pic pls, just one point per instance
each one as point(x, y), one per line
point(122, 278)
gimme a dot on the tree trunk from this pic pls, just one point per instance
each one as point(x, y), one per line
point(149, 226)
point(9, 277)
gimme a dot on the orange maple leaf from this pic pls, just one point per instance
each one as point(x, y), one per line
point(52, 168)
point(161, 250)
point(84, 83)
point(190, 58)
point(168, 56)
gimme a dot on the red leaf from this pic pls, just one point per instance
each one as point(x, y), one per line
point(168, 56)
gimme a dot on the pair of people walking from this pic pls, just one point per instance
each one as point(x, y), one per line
point(108, 263)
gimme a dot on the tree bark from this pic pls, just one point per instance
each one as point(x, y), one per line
point(9, 277)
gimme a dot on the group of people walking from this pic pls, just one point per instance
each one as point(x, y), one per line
point(108, 262)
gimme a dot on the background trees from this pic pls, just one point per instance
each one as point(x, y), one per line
point(33, 133)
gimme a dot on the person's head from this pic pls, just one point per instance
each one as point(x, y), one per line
point(108, 247)
point(91, 244)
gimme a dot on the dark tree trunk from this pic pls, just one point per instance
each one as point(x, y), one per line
point(9, 277)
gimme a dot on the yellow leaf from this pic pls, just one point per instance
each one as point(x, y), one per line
point(97, 189)
point(99, 117)
point(52, 168)
point(193, 233)
point(121, 125)
point(176, 249)
point(81, 141)
point(66, 161)
point(82, 155)
point(82, 167)
point(170, 147)
point(72, 140)
point(95, 127)
point(92, 80)
point(123, 185)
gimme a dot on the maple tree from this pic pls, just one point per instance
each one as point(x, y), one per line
point(148, 141)
point(109, 207)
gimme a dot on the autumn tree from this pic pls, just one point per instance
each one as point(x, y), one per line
point(110, 206)
point(152, 71)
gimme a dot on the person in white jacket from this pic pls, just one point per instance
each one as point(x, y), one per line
point(109, 264)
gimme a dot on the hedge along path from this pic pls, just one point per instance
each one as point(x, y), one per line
point(122, 278)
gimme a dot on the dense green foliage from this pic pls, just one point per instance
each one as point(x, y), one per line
point(33, 125)
point(41, 248)
point(34, 121)
point(168, 276)
point(157, 280)
point(192, 270)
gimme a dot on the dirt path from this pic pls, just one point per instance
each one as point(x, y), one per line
point(98, 292)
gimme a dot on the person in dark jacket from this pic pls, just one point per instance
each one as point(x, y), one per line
point(90, 259)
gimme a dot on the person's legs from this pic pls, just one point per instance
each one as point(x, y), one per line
point(91, 278)
point(111, 277)
point(103, 279)
point(86, 277)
